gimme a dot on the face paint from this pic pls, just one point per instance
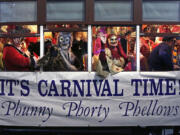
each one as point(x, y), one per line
point(113, 40)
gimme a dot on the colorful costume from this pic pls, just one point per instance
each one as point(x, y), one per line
point(14, 59)
point(112, 58)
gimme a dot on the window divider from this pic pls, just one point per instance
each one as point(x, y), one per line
point(137, 48)
point(89, 48)
point(41, 43)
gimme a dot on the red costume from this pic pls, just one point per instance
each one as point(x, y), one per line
point(116, 49)
point(118, 52)
point(14, 59)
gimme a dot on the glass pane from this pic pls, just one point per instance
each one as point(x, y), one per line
point(65, 51)
point(160, 10)
point(113, 49)
point(19, 54)
point(18, 29)
point(19, 11)
point(65, 11)
point(113, 10)
point(161, 28)
point(160, 53)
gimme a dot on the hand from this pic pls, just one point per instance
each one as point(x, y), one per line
point(27, 53)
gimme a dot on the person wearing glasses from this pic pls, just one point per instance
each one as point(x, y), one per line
point(160, 58)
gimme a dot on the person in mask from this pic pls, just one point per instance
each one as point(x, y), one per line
point(14, 59)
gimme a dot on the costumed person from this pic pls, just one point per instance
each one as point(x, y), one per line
point(145, 49)
point(112, 58)
point(146, 46)
point(60, 57)
point(15, 59)
point(65, 41)
point(101, 39)
point(160, 58)
point(99, 45)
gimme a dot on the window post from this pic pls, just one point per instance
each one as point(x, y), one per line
point(137, 48)
point(41, 43)
point(89, 48)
